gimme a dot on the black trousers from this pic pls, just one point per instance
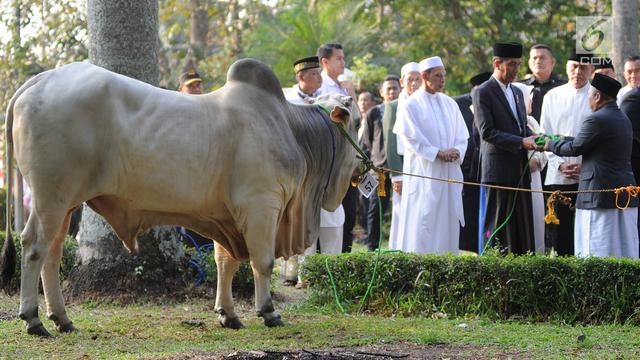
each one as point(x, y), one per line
point(349, 204)
point(516, 236)
point(560, 237)
point(469, 233)
point(373, 215)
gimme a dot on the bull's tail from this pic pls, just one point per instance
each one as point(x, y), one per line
point(8, 257)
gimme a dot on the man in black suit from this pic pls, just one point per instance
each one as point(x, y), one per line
point(604, 141)
point(631, 107)
point(501, 119)
point(470, 194)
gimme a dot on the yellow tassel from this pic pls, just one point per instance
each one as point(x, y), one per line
point(381, 181)
point(551, 217)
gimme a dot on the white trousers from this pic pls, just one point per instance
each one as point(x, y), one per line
point(606, 233)
point(330, 243)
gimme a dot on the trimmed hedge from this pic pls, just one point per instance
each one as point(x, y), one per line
point(573, 290)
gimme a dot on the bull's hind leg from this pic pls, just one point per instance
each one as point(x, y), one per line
point(227, 267)
point(50, 275)
point(260, 236)
point(36, 241)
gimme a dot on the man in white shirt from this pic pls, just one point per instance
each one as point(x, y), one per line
point(435, 136)
point(563, 110)
point(631, 75)
point(331, 57)
point(309, 81)
point(330, 237)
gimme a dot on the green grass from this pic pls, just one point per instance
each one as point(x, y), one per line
point(152, 330)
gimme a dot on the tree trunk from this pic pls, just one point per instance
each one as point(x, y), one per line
point(16, 38)
point(625, 33)
point(123, 37)
point(198, 37)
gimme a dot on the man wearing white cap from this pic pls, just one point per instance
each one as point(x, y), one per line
point(410, 80)
point(434, 136)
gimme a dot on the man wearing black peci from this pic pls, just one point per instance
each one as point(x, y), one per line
point(500, 117)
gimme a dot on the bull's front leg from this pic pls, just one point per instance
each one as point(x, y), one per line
point(227, 267)
point(260, 238)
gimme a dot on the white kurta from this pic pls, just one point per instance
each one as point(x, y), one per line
point(537, 199)
point(564, 108)
point(432, 211)
point(396, 199)
point(622, 93)
point(606, 232)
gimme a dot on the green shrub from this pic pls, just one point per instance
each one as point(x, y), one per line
point(592, 290)
point(69, 249)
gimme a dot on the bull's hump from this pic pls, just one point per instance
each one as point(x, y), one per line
point(257, 74)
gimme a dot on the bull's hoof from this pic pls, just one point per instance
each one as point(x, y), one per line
point(273, 322)
point(66, 328)
point(38, 330)
point(231, 323)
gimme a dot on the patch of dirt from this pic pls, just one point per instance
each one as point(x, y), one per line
point(371, 352)
point(6, 315)
point(123, 278)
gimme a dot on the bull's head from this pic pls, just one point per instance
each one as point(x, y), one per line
point(340, 108)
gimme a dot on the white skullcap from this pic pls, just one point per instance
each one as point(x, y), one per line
point(409, 67)
point(430, 63)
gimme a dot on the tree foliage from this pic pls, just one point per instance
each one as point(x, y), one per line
point(210, 35)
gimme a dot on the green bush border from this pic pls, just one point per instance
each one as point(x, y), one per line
point(568, 289)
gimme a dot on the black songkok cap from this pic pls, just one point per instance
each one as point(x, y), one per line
point(604, 63)
point(480, 78)
point(606, 85)
point(189, 77)
point(507, 50)
point(581, 58)
point(310, 62)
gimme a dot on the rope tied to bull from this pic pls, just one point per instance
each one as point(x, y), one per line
point(365, 162)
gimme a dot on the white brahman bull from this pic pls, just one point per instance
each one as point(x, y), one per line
point(240, 165)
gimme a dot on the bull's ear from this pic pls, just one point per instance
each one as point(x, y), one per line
point(340, 114)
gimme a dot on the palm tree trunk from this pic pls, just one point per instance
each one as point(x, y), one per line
point(123, 37)
point(625, 32)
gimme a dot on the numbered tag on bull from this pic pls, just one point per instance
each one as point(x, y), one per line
point(368, 185)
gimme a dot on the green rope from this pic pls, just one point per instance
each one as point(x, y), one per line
point(515, 198)
point(542, 139)
point(375, 266)
point(333, 284)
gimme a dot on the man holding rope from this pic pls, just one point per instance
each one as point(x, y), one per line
point(604, 141)
point(501, 119)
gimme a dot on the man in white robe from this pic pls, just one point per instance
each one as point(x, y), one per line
point(434, 136)
point(410, 80)
point(563, 110)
